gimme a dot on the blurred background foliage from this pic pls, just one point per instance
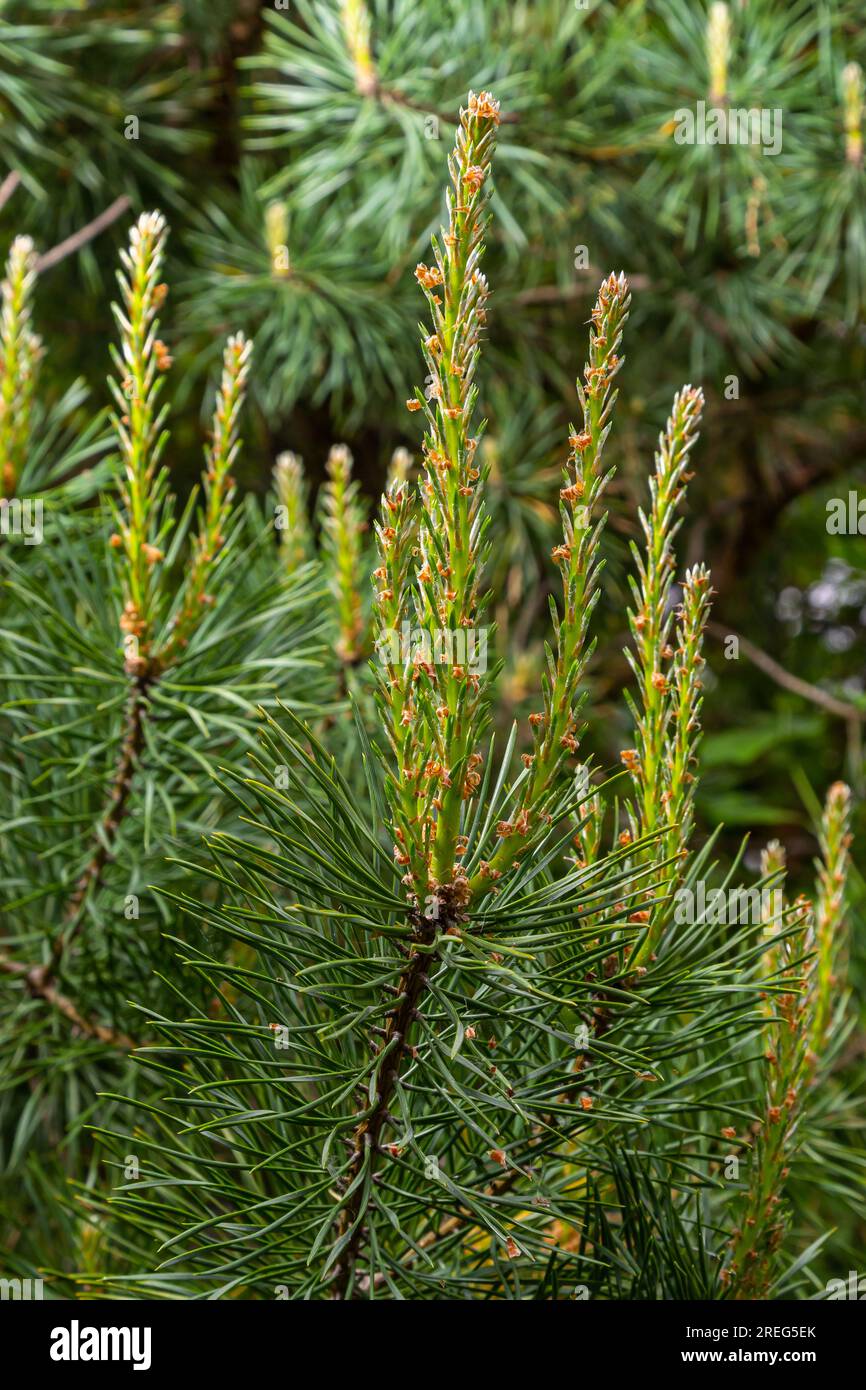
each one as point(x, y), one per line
point(298, 151)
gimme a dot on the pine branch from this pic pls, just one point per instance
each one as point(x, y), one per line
point(831, 918)
point(366, 1139)
point(841, 709)
point(343, 525)
point(665, 715)
point(142, 437)
point(8, 187)
point(219, 491)
point(396, 540)
point(140, 525)
point(807, 952)
point(106, 837)
point(853, 104)
point(445, 715)
point(292, 520)
point(40, 978)
point(556, 729)
point(20, 352)
point(682, 740)
point(74, 243)
point(447, 587)
point(651, 618)
point(41, 987)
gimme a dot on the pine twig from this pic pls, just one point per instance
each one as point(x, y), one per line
point(687, 698)
point(809, 961)
point(841, 709)
point(668, 699)
point(140, 526)
point(74, 243)
point(448, 699)
point(219, 488)
point(140, 433)
point(447, 582)
point(45, 989)
point(343, 525)
point(556, 728)
point(578, 289)
point(293, 522)
point(830, 914)
point(396, 536)
point(141, 355)
point(20, 353)
point(651, 617)
point(8, 187)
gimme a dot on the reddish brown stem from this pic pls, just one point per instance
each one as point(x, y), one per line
point(115, 813)
point(367, 1133)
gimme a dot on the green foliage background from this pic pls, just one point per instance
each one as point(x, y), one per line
point(253, 131)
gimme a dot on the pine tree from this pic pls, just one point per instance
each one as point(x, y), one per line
point(473, 1063)
point(368, 941)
